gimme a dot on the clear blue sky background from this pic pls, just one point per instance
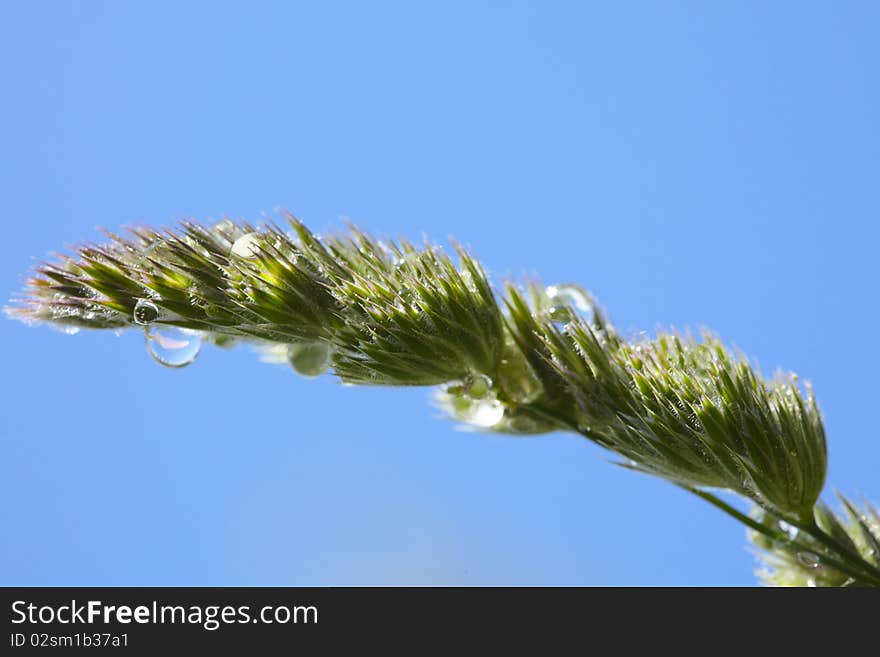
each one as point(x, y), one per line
point(694, 164)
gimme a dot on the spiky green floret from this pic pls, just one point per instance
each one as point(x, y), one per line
point(410, 317)
point(196, 280)
point(397, 315)
point(795, 558)
point(682, 409)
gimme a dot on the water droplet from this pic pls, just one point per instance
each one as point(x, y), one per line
point(247, 246)
point(485, 412)
point(561, 316)
point(224, 225)
point(70, 330)
point(564, 299)
point(171, 346)
point(455, 389)
point(808, 559)
point(145, 312)
point(479, 386)
point(310, 358)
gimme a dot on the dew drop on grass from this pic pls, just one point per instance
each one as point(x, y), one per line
point(145, 312)
point(479, 386)
point(462, 402)
point(224, 225)
point(247, 246)
point(808, 559)
point(310, 358)
point(486, 412)
point(171, 346)
point(561, 316)
point(564, 299)
point(483, 408)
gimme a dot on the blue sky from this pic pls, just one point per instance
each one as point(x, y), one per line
point(693, 164)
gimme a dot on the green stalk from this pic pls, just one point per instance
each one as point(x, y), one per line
point(832, 543)
point(860, 570)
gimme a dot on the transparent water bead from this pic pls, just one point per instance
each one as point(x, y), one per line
point(485, 411)
point(247, 246)
point(145, 312)
point(808, 559)
point(564, 299)
point(310, 358)
point(224, 226)
point(478, 386)
point(171, 346)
